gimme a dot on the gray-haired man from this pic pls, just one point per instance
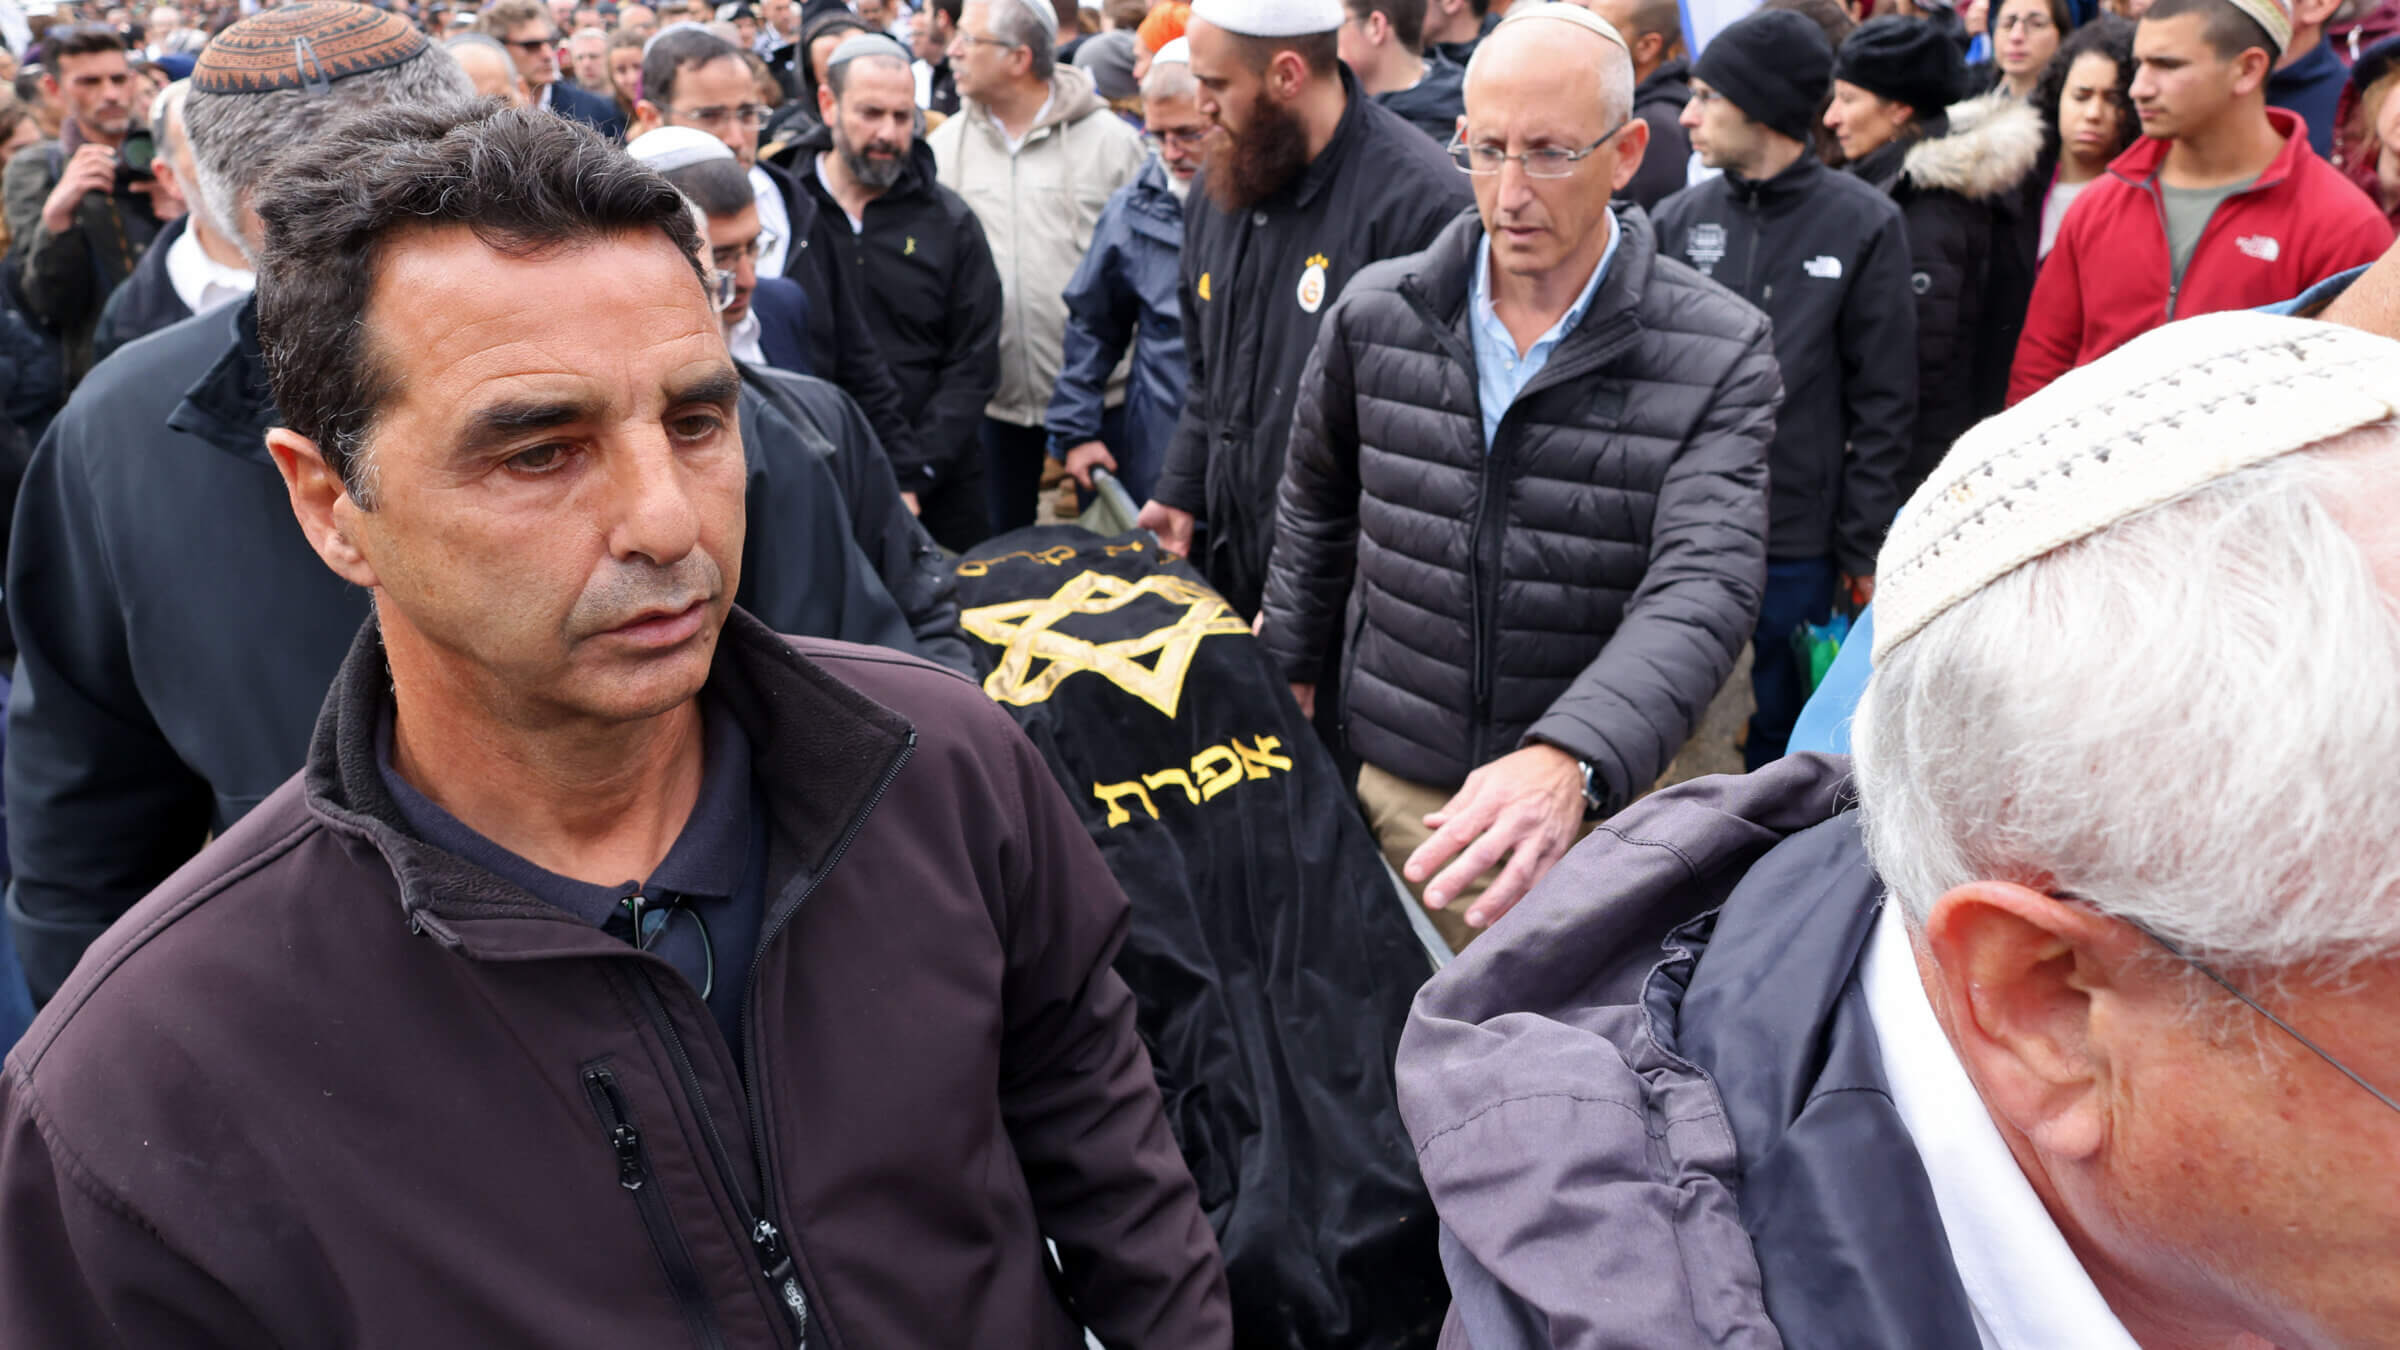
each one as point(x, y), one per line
point(175, 635)
point(2080, 1029)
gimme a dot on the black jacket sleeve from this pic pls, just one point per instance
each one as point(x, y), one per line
point(951, 423)
point(1640, 699)
point(1877, 330)
point(1316, 514)
point(802, 570)
point(100, 807)
point(921, 581)
point(1183, 471)
point(1101, 314)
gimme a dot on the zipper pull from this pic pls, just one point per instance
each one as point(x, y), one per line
point(777, 1263)
point(627, 1141)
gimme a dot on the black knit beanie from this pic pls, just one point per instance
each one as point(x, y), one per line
point(1774, 66)
point(1904, 60)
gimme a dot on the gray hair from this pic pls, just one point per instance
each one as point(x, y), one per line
point(1032, 25)
point(1170, 79)
point(2189, 719)
point(236, 137)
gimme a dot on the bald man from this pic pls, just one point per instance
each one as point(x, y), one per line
point(1555, 531)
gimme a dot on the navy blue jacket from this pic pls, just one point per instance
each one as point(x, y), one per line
point(781, 305)
point(600, 113)
point(2312, 87)
point(1124, 292)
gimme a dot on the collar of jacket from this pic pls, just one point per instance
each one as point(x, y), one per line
point(1443, 283)
point(2141, 162)
point(1881, 166)
point(798, 206)
point(820, 749)
point(917, 176)
point(1991, 145)
point(231, 406)
point(1797, 180)
point(1670, 83)
point(1328, 162)
point(1155, 204)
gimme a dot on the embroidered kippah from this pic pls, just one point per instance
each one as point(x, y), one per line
point(305, 46)
point(2166, 414)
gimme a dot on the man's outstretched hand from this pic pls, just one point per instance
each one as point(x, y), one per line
point(1525, 808)
point(1173, 527)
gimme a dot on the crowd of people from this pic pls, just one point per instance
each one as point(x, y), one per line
point(462, 457)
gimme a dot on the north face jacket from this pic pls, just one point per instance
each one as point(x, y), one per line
point(1826, 256)
point(1256, 285)
point(176, 632)
point(1123, 294)
point(1956, 184)
point(1038, 204)
point(1607, 554)
point(331, 1087)
point(2109, 277)
point(1663, 1053)
point(933, 301)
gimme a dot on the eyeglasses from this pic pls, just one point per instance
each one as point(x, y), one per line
point(652, 920)
point(2253, 1004)
point(1546, 162)
point(733, 255)
point(978, 40)
point(2029, 23)
point(530, 45)
point(1189, 140)
point(746, 114)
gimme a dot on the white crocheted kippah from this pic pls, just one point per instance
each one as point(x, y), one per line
point(2169, 412)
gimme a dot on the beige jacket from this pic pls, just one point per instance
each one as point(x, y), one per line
point(1038, 205)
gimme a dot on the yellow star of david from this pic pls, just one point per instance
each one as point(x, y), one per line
point(1024, 628)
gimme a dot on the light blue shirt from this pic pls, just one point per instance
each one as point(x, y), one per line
point(1501, 374)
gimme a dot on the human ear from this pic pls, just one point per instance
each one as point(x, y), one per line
point(646, 118)
point(1632, 144)
point(322, 504)
point(2021, 981)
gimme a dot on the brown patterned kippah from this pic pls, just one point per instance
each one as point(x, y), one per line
point(305, 46)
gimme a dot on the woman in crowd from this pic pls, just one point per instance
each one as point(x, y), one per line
point(625, 70)
point(2086, 103)
point(2367, 126)
point(1956, 173)
point(2025, 35)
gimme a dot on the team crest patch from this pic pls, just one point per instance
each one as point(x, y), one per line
point(1312, 283)
point(1704, 245)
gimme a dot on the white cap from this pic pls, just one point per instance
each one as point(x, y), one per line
point(2169, 412)
point(1271, 18)
point(1566, 13)
point(1176, 53)
point(667, 149)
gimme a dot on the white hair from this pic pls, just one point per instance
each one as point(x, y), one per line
point(2190, 719)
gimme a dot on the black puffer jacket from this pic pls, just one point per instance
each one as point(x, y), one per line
point(1585, 584)
point(1952, 183)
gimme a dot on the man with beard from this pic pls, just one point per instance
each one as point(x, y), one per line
point(1038, 155)
point(78, 223)
point(916, 245)
point(693, 78)
point(1310, 181)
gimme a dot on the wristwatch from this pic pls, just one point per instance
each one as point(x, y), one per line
point(1591, 791)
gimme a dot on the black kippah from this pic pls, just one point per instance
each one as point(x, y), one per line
point(306, 45)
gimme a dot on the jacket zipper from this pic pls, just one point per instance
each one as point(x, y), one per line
point(633, 1173)
point(2166, 235)
point(781, 1259)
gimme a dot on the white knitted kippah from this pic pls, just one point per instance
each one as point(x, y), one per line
point(2274, 16)
point(1175, 53)
point(2167, 413)
point(667, 149)
point(1272, 18)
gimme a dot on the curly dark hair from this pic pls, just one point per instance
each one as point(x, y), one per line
point(2106, 35)
point(525, 180)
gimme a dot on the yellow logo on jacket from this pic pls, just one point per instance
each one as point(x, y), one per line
point(1204, 285)
point(911, 250)
point(1312, 282)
